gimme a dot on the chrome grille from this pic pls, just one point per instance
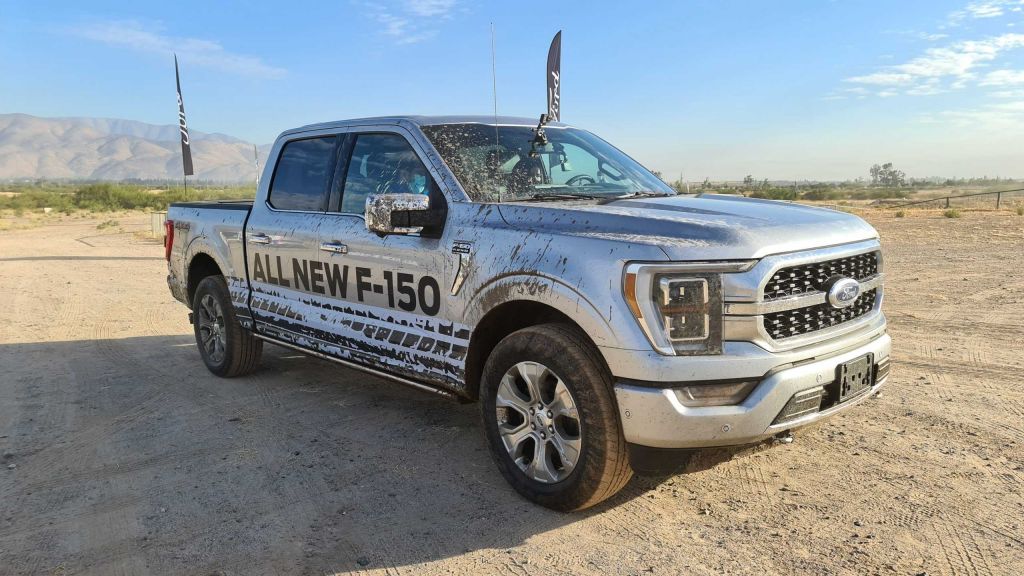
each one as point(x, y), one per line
point(809, 278)
point(799, 321)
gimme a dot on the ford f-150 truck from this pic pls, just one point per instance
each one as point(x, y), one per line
point(605, 323)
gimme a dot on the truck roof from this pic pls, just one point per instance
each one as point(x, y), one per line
point(416, 120)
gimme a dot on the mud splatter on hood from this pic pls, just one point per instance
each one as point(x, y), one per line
point(694, 228)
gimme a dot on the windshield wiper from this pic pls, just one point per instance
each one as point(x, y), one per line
point(561, 196)
point(642, 195)
point(556, 196)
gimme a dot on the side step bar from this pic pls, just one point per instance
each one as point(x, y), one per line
point(373, 371)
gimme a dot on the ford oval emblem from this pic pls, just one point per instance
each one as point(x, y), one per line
point(843, 292)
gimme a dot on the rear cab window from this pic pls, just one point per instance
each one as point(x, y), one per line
point(303, 170)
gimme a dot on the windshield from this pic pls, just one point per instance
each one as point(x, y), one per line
point(505, 164)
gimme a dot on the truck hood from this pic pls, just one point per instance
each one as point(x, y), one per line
point(706, 227)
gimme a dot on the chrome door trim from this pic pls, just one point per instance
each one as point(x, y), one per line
point(334, 247)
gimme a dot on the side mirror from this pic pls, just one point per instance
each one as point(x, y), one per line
point(400, 213)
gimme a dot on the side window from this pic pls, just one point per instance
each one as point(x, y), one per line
point(382, 164)
point(300, 178)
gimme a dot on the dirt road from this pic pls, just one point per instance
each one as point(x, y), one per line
point(122, 455)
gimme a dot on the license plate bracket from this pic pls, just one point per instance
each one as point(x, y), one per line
point(855, 376)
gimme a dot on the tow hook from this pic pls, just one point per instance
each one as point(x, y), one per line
point(191, 319)
point(783, 438)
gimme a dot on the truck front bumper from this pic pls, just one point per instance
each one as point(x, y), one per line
point(654, 416)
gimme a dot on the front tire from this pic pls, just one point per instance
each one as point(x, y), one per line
point(551, 420)
point(228, 350)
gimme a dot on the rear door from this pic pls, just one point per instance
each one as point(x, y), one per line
point(281, 236)
point(389, 309)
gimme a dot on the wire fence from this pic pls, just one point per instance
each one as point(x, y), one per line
point(997, 199)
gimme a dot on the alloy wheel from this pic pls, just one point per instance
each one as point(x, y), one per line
point(538, 422)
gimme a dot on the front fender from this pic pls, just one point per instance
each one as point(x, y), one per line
point(545, 290)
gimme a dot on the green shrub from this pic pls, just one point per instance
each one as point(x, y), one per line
point(1020, 210)
point(107, 224)
point(776, 194)
point(952, 213)
point(112, 197)
point(822, 194)
point(901, 213)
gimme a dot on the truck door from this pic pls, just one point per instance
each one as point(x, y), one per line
point(392, 312)
point(281, 236)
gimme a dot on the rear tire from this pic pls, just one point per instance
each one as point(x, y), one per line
point(551, 420)
point(227, 349)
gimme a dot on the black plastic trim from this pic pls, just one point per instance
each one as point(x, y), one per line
point(666, 385)
point(650, 461)
point(216, 204)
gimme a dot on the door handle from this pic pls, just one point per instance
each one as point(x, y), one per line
point(334, 247)
point(259, 239)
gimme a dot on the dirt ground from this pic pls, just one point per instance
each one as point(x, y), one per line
point(122, 455)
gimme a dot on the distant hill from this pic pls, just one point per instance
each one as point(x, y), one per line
point(113, 149)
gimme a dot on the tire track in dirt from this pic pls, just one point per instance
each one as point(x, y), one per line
point(961, 551)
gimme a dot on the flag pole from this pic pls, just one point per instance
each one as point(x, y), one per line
point(186, 148)
point(256, 155)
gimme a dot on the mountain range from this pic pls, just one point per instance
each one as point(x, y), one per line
point(113, 149)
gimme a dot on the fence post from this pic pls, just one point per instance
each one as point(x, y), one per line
point(947, 201)
point(999, 197)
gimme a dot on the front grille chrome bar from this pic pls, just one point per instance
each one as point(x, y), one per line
point(746, 306)
point(783, 304)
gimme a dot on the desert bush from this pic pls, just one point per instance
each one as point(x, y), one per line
point(35, 200)
point(113, 197)
point(823, 194)
point(776, 194)
point(107, 224)
point(1020, 210)
point(952, 213)
point(901, 213)
point(880, 194)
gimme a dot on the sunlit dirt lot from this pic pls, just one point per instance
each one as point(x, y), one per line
point(121, 454)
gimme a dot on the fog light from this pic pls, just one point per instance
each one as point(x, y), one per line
point(800, 405)
point(708, 394)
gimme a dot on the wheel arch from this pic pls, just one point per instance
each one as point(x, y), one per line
point(513, 303)
point(201, 265)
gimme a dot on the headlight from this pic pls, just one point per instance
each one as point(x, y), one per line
point(679, 306)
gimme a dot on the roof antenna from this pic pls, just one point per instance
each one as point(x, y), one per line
point(494, 90)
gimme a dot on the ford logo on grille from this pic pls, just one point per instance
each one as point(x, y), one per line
point(843, 292)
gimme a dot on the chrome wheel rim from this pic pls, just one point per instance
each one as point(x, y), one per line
point(538, 422)
point(211, 328)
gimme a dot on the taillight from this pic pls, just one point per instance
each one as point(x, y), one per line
point(168, 238)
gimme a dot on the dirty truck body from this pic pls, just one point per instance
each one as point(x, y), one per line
point(604, 323)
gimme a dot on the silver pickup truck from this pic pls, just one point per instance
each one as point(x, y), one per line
point(606, 324)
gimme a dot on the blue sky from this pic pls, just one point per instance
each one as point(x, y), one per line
point(719, 89)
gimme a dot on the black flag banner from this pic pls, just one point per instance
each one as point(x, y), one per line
point(554, 79)
point(186, 148)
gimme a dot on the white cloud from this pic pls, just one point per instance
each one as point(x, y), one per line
point(1003, 116)
point(411, 22)
point(1003, 78)
point(430, 8)
point(882, 79)
point(954, 63)
point(1016, 93)
point(206, 53)
point(983, 9)
point(927, 88)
